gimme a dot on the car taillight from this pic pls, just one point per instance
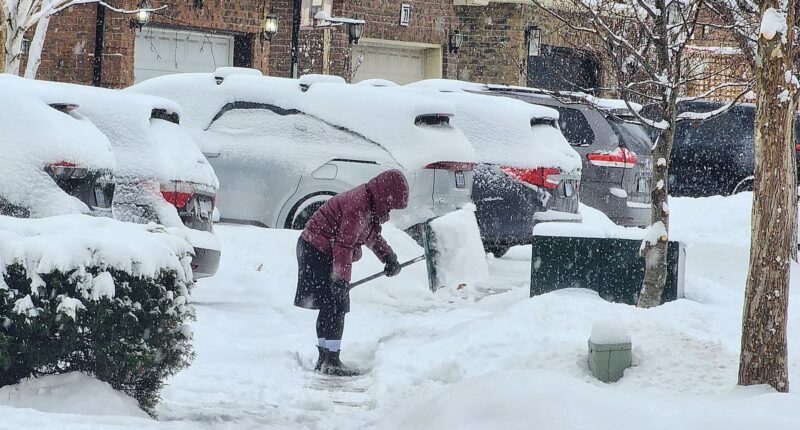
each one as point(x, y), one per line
point(797, 147)
point(66, 170)
point(177, 193)
point(543, 176)
point(451, 165)
point(620, 157)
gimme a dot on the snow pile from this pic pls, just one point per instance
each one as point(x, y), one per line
point(35, 135)
point(361, 110)
point(609, 332)
point(70, 393)
point(71, 242)
point(772, 23)
point(595, 224)
point(460, 255)
point(501, 129)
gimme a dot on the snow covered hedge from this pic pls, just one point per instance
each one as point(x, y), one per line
point(95, 295)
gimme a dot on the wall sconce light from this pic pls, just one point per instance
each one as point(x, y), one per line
point(534, 41)
point(455, 41)
point(355, 30)
point(198, 4)
point(270, 27)
point(142, 15)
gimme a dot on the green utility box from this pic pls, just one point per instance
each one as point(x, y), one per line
point(608, 361)
point(612, 267)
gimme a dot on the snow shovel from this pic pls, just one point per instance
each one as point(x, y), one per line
point(382, 273)
point(453, 251)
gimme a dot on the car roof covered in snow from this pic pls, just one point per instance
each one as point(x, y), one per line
point(505, 131)
point(387, 116)
point(36, 135)
point(606, 104)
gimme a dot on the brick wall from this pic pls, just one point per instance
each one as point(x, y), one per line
point(431, 21)
point(69, 47)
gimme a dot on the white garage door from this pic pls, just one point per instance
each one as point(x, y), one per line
point(160, 51)
point(401, 64)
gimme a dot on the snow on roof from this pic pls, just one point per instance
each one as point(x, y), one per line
point(500, 128)
point(224, 72)
point(35, 135)
point(361, 109)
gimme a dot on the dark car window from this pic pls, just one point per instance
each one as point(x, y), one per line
point(632, 135)
point(575, 127)
point(732, 128)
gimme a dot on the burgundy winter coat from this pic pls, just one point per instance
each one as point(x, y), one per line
point(353, 218)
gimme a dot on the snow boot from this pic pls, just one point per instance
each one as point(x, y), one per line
point(333, 366)
point(323, 357)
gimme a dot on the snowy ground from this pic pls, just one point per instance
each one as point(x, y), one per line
point(485, 357)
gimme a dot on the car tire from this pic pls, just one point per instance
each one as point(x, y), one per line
point(305, 210)
point(497, 250)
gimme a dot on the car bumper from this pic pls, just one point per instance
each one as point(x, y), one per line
point(621, 210)
point(205, 262)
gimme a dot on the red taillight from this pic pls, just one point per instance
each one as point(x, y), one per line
point(451, 165)
point(797, 147)
point(543, 176)
point(66, 170)
point(620, 157)
point(177, 193)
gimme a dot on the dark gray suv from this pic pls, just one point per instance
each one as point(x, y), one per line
point(615, 149)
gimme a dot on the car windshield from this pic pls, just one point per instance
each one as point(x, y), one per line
point(632, 135)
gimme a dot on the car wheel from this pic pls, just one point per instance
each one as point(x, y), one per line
point(497, 250)
point(305, 210)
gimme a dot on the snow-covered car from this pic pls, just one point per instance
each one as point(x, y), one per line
point(282, 147)
point(55, 161)
point(614, 146)
point(161, 174)
point(526, 173)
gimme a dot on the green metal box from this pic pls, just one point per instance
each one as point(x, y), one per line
point(608, 361)
point(612, 267)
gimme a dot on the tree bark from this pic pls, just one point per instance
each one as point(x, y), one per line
point(773, 244)
point(655, 254)
point(37, 46)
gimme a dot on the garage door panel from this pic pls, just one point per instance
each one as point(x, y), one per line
point(162, 51)
point(399, 64)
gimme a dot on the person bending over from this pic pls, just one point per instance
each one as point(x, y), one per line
point(330, 243)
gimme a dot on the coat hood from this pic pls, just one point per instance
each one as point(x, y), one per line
point(388, 191)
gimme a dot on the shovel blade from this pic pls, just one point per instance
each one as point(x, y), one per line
point(454, 250)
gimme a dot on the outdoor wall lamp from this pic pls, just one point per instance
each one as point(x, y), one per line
point(456, 39)
point(142, 15)
point(355, 30)
point(198, 4)
point(270, 27)
point(534, 41)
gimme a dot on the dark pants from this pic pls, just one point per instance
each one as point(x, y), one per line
point(314, 291)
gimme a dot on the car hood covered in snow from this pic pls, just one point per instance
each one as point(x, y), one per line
point(360, 110)
point(34, 134)
point(501, 129)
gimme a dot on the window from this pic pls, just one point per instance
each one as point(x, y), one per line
point(309, 8)
point(575, 127)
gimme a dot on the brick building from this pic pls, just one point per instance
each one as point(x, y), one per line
point(89, 44)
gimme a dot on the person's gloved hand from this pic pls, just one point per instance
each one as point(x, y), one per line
point(392, 267)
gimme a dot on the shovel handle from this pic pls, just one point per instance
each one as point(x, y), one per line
point(379, 274)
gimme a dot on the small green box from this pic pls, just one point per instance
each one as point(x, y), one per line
point(608, 361)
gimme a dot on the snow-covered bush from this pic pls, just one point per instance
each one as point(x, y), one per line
point(94, 295)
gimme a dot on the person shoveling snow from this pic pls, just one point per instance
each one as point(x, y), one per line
point(330, 243)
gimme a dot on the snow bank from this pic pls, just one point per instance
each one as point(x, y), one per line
point(461, 258)
point(500, 128)
point(594, 224)
point(35, 135)
point(70, 393)
point(70, 242)
point(362, 110)
point(609, 332)
point(525, 399)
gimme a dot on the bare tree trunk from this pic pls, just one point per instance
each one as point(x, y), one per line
point(37, 45)
point(12, 47)
point(773, 244)
point(655, 254)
